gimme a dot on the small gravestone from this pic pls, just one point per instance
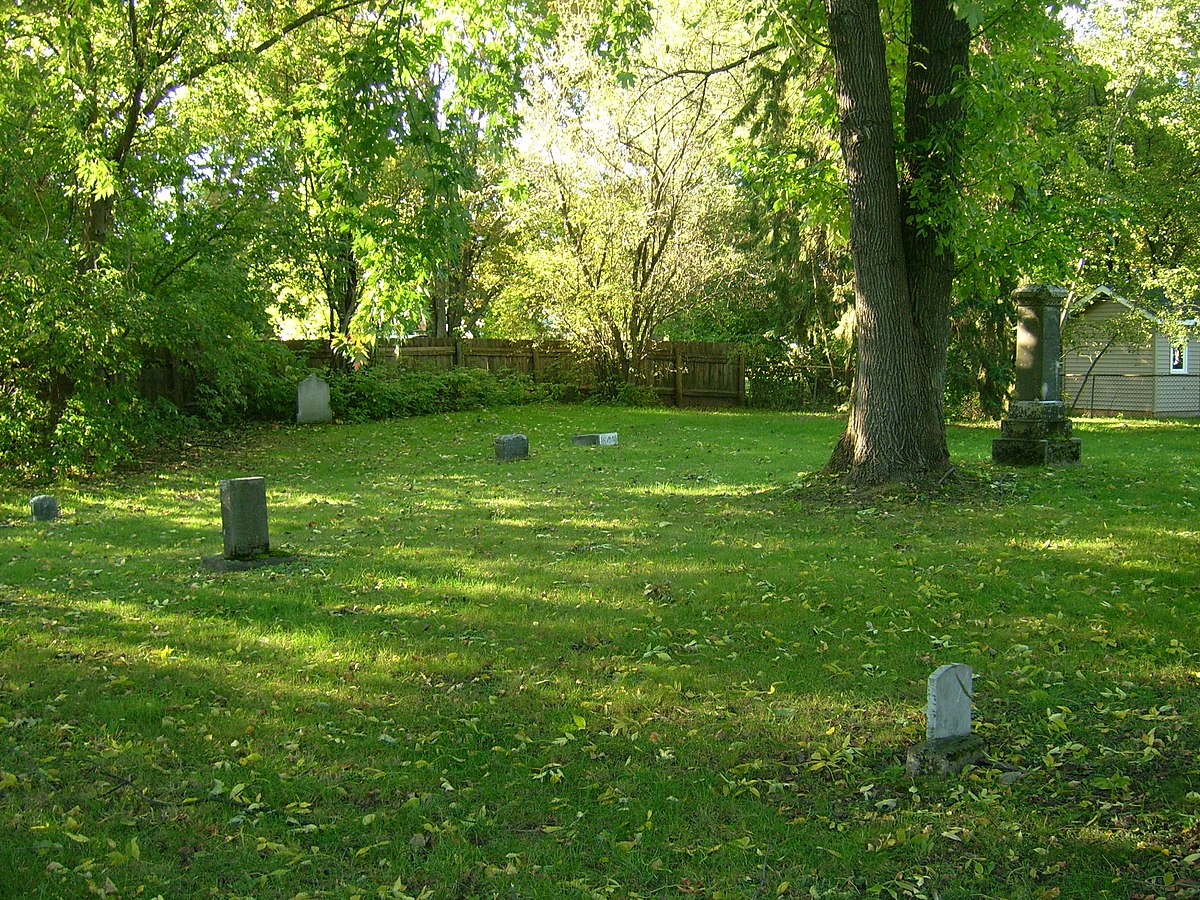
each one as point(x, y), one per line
point(603, 439)
point(244, 527)
point(244, 517)
point(512, 446)
point(1036, 430)
point(312, 401)
point(950, 745)
point(43, 508)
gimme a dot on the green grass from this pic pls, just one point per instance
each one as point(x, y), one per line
point(667, 668)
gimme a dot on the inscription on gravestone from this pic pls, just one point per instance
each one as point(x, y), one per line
point(312, 401)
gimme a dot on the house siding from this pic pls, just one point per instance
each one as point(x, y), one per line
point(1135, 379)
point(1176, 394)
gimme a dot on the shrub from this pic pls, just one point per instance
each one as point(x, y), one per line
point(386, 392)
point(624, 393)
point(784, 377)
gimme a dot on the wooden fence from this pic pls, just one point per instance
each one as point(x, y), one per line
point(683, 373)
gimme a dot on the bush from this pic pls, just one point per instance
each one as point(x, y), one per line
point(624, 393)
point(783, 377)
point(387, 392)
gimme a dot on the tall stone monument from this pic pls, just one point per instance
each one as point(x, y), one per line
point(1036, 430)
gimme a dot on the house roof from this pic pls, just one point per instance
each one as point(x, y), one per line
point(1153, 305)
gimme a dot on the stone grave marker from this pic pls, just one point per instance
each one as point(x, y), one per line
point(312, 401)
point(1036, 430)
point(948, 702)
point(244, 527)
point(43, 508)
point(512, 446)
point(950, 745)
point(602, 439)
point(244, 517)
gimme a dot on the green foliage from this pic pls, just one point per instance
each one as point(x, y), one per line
point(381, 392)
point(1136, 148)
point(628, 203)
point(789, 377)
point(619, 392)
point(391, 128)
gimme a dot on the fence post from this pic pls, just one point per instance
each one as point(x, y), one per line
point(458, 353)
point(741, 380)
point(678, 360)
point(534, 363)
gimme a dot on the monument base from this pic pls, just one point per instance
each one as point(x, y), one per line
point(1047, 452)
point(945, 756)
point(1036, 433)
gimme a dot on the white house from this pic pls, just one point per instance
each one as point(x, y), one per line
point(1118, 357)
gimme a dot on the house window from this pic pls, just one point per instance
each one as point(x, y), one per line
point(1179, 357)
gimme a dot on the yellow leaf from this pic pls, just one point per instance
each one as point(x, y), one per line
point(77, 838)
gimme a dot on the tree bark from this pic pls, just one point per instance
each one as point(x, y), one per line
point(903, 265)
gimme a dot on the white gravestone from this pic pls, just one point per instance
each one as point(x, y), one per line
point(312, 401)
point(951, 745)
point(948, 710)
point(603, 439)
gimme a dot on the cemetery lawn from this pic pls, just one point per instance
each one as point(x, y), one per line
point(675, 667)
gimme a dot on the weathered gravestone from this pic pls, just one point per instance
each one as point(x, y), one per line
point(244, 527)
point(950, 745)
point(244, 517)
point(43, 508)
point(1036, 430)
point(603, 439)
point(512, 446)
point(312, 401)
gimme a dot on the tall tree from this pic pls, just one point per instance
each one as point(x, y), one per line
point(900, 234)
point(626, 178)
point(1136, 130)
point(91, 143)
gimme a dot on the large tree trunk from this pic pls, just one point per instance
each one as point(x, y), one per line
point(903, 267)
